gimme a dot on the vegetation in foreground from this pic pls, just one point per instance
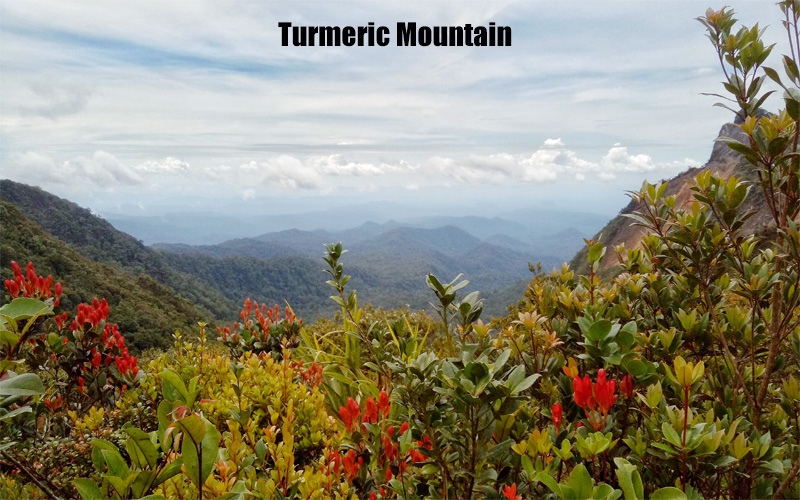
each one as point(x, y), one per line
point(677, 378)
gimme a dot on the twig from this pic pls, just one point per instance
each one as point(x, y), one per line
point(30, 474)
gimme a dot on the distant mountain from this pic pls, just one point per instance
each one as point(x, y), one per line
point(537, 232)
point(723, 160)
point(388, 260)
point(147, 311)
point(388, 264)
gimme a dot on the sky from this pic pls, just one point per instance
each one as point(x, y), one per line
point(146, 107)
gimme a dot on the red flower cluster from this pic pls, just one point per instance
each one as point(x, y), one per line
point(350, 413)
point(372, 410)
point(556, 410)
point(510, 492)
point(55, 403)
point(61, 320)
point(126, 363)
point(351, 465)
point(225, 334)
point(30, 285)
point(595, 399)
point(92, 314)
point(416, 454)
point(313, 375)
point(626, 386)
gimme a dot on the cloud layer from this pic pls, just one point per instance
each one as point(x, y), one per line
point(551, 162)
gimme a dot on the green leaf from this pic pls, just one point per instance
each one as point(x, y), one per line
point(24, 308)
point(171, 470)
point(116, 464)
point(629, 480)
point(194, 427)
point(26, 384)
point(668, 493)
point(627, 335)
point(671, 435)
point(581, 482)
point(516, 377)
point(526, 383)
point(17, 411)
point(551, 483)
point(173, 386)
point(599, 330)
point(88, 489)
point(98, 445)
point(596, 251)
point(206, 442)
point(9, 338)
point(145, 447)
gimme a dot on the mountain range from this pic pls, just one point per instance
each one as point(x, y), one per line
point(185, 284)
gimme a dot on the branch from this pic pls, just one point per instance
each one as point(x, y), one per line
point(788, 481)
point(30, 475)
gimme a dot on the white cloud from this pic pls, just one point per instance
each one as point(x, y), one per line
point(167, 165)
point(335, 165)
point(547, 164)
point(284, 172)
point(101, 170)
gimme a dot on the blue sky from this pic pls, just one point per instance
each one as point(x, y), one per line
point(167, 104)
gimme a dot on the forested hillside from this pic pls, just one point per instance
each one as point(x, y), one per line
point(148, 311)
point(97, 240)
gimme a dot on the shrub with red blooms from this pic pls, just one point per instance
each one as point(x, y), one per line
point(262, 329)
point(89, 350)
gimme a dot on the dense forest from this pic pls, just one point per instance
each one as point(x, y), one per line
point(672, 372)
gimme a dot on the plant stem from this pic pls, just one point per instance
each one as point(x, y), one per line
point(30, 474)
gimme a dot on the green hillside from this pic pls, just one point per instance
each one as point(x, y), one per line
point(147, 311)
point(97, 240)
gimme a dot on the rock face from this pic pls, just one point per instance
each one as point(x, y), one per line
point(724, 161)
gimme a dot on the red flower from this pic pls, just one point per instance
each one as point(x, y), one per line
point(351, 466)
point(403, 428)
point(557, 416)
point(583, 390)
point(589, 397)
point(345, 416)
point(390, 450)
point(511, 492)
point(626, 386)
point(353, 408)
point(371, 411)
point(372, 496)
point(384, 404)
point(604, 391)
